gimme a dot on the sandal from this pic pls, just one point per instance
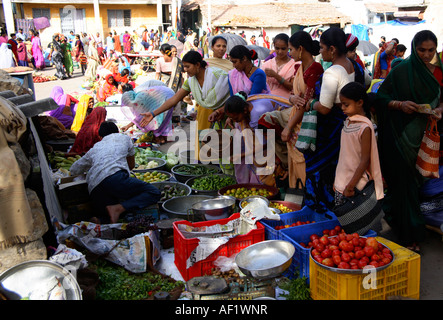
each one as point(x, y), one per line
point(415, 248)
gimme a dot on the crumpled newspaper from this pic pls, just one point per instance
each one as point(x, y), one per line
point(65, 256)
point(211, 238)
point(130, 253)
point(254, 212)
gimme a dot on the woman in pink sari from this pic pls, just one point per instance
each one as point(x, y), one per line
point(39, 60)
point(127, 42)
point(280, 70)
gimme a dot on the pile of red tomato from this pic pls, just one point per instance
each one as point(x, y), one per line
point(337, 249)
point(295, 224)
point(39, 79)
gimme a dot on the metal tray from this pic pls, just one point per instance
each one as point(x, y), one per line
point(32, 275)
point(353, 271)
point(266, 259)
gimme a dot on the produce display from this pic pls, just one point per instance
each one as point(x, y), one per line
point(171, 191)
point(39, 79)
point(297, 288)
point(151, 165)
point(116, 283)
point(59, 161)
point(295, 224)
point(212, 182)
point(142, 156)
point(151, 176)
point(281, 207)
point(194, 170)
point(241, 193)
point(336, 249)
point(139, 225)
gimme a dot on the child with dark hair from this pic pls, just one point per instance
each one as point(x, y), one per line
point(113, 191)
point(245, 114)
point(358, 161)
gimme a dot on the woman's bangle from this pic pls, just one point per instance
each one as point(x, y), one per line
point(282, 80)
point(311, 103)
point(152, 113)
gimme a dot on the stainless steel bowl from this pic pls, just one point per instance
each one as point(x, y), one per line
point(180, 186)
point(260, 199)
point(181, 207)
point(34, 275)
point(354, 271)
point(266, 259)
point(161, 164)
point(214, 208)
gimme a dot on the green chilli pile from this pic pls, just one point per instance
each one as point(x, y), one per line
point(212, 182)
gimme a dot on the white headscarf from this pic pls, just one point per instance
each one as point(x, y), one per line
point(6, 57)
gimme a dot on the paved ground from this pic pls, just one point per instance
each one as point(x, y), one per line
point(431, 277)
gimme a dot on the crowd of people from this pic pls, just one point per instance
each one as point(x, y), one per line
point(368, 124)
point(350, 155)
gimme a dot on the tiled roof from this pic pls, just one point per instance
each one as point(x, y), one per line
point(269, 14)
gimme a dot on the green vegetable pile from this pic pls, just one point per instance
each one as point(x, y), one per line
point(194, 170)
point(58, 161)
point(142, 156)
point(298, 288)
point(171, 191)
point(116, 283)
point(212, 182)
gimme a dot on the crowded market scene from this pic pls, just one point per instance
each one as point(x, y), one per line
point(197, 152)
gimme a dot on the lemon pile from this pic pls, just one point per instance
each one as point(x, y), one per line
point(152, 176)
point(243, 192)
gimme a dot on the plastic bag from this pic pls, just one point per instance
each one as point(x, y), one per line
point(225, 263)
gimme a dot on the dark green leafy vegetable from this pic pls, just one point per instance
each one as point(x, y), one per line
point(298, 288)
point(116, 283)
point(194, 170)
point(212, 182)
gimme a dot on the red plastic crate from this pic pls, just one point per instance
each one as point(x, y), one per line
point(183, 247)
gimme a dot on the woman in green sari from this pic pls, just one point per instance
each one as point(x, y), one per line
point(400, 131)
point(209, 87)
point(67, 55)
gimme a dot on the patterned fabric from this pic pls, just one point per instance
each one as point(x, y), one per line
point(107, 157)
point(57, 59)
point(147, 100)
point(215, 90)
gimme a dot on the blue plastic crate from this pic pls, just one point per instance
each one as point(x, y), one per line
point(305, 214)
point(301, 234)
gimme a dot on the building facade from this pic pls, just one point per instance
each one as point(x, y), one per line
point(90, 16)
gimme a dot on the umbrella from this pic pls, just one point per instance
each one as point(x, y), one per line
point(262, 52)
point(178, 44)
point(366, 47)
point(232, 40)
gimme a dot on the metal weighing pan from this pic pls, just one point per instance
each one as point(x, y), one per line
point(265, 260)
point(35, 275)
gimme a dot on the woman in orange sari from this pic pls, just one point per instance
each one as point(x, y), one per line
point(117, 42)
point(110, 87)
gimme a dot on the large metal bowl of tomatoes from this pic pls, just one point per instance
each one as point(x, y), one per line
point(350, 253)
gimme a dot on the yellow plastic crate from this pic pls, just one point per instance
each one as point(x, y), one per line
point(401, 278)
